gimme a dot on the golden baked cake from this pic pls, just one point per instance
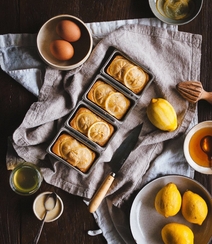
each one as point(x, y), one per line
point(129, 74)
point(92, 126)
point(105, 96)
point(74, 152)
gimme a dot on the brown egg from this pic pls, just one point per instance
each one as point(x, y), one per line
point(68, 30)
point(61, 50)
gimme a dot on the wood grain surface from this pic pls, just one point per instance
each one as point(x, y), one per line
point(18, 225)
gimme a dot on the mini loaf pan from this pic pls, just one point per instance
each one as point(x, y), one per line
point(80, 140)
point(85, 137)
point(116, 53)
point(130, 97)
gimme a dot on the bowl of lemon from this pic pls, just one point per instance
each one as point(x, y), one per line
point(172, 209)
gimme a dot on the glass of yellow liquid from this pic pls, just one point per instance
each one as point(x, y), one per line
point(25, 179)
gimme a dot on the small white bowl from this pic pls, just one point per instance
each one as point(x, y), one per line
point(82, 47)
point(195, 12)
point(199, 153)
point(39, 209)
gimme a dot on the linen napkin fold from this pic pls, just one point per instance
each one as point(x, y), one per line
point(19, 57)
point(172, 56)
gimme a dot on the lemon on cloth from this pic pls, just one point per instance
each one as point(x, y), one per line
point(162, 114)
point(168, 200)
point(175, 233)
point(194, 208)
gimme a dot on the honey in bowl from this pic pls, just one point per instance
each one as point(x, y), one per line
point(195, 149)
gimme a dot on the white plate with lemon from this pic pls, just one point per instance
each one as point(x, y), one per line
point(146, 223)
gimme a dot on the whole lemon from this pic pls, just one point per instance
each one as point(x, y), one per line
point(175, 233)
point(168, 200)
point(194, 208)
point(162, 114)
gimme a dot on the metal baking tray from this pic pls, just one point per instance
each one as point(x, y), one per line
point(100, 112)
point(116, 52)
point(128, 95)
point(82, 104)
point(65, 130)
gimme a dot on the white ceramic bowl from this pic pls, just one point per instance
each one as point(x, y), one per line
point(146, 223)
point(195, 12)
point(39, 209)
point(82, 47)
point(200, 154)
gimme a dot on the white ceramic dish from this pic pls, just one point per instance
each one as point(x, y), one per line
point(47, 34)
point(195, 12)
point(194, 165)
point(39, 210)
point(146, 223)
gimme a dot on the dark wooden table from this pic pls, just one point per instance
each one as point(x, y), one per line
point(18, 225)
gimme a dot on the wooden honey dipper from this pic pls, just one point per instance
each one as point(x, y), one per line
point(193, 91)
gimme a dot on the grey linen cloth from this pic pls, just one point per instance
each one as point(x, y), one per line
point(172, 56)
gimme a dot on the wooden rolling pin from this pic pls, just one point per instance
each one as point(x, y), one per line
point(193, 91)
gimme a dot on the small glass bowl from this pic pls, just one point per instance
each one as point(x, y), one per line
point(25, 179)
